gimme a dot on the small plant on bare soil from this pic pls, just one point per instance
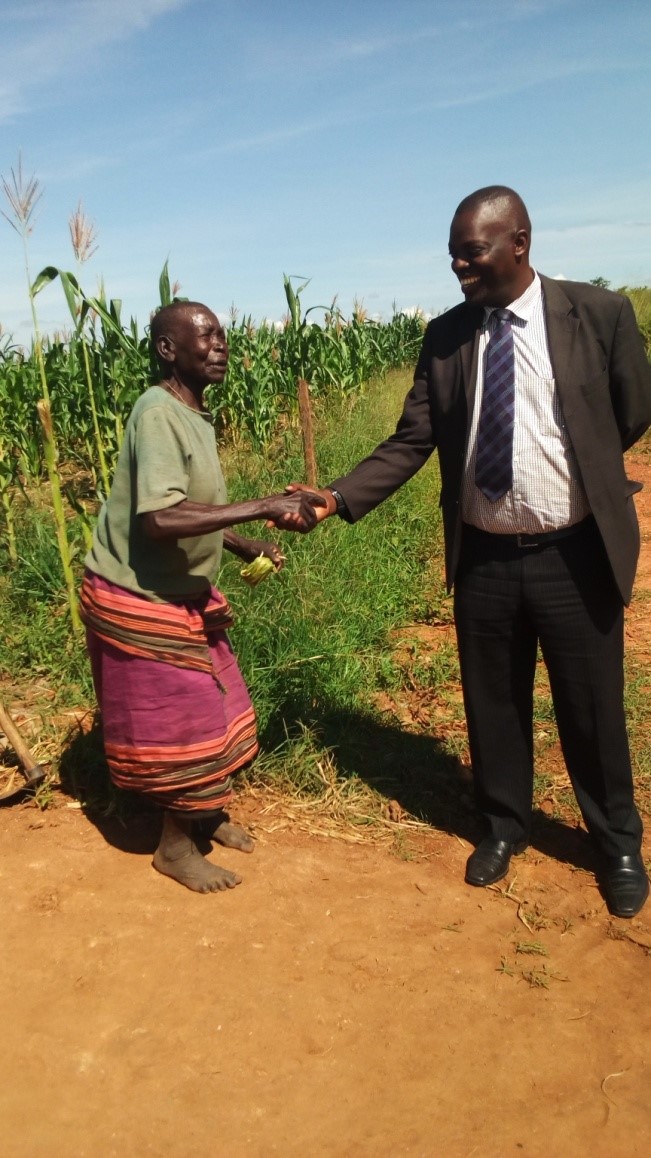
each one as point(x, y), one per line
point(541, 978)
point(533, 948)
point(504, 967)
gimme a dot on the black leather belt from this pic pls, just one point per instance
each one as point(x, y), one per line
point(524, 541)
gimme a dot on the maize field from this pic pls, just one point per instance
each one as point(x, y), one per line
point(259, 393)
point(64, 403)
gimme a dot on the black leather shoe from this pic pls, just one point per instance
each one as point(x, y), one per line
point(490, 860)
point(625, 884)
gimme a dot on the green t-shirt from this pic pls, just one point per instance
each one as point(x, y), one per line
point(169, 454)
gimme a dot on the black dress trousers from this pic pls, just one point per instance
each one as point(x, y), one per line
point(561, 595)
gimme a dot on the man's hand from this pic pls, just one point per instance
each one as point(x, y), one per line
point(323, 501)
point(299, 508)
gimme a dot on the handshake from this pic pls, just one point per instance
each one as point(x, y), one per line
point(299, 508)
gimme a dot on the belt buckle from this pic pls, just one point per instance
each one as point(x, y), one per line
point(525, 546)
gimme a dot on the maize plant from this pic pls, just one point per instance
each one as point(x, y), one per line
point(23, 196)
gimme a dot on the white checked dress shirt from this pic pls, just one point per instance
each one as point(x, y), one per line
point(547, 492)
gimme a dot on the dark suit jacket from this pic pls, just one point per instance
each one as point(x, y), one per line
point(604, 385)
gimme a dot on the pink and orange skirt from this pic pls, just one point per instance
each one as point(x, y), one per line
point(176, 714)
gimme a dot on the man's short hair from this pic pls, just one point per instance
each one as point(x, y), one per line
point(501, 196)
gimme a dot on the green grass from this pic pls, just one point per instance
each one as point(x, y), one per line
point(314, 638)
point(317, 642)
point(313, 642)
point(35, 636)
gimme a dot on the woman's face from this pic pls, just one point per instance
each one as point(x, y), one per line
point(200, 348)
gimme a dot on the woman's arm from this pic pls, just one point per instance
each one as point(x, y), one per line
point(186, 519)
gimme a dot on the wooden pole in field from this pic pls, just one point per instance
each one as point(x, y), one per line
point(305, 414)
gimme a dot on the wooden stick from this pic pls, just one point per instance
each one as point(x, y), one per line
point(33, 771)
point(305, 414)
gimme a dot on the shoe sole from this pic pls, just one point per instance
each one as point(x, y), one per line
point(485, 884)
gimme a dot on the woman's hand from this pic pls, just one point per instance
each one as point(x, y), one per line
point(324, 505)
point(329, 506)
point(298, 509)
point(249, 549)
point(293, 512)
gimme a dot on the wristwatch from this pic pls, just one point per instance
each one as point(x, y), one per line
point(341, 508)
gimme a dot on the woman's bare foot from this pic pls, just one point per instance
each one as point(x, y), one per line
point(178, 857)
point(219, 828)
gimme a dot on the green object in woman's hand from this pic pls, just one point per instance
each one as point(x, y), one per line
point(256, 571)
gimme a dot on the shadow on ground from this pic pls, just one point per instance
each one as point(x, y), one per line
point(413, 769)
point(125, 820)
point(419, 773)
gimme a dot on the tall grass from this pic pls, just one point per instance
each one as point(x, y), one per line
point(313, 639)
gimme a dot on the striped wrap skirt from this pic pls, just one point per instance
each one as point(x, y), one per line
point(176, 714)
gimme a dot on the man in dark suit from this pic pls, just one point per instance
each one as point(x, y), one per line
point(530, 390)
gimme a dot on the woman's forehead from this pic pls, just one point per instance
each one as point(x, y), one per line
point(202, 316)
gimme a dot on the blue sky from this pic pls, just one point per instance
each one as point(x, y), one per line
point(244, 139)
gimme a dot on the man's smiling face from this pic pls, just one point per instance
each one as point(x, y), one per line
point(489, 255)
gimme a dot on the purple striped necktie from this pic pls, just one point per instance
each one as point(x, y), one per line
point(494, 462)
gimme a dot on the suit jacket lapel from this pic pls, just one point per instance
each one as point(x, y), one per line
point(469, 327)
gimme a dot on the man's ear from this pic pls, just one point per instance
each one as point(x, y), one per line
point(165, 348)
point(521, 242)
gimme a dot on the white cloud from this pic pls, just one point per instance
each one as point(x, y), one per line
point(312, 57)
point(270, 138)
point(531, 77)
point(76, 168)
point(52, 38)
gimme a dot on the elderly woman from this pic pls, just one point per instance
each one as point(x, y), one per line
point(176, 714)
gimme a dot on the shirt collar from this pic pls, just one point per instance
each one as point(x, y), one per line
point(524, 306)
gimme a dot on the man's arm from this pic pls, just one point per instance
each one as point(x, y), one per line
point(392, 463)
point(396, 459)
point(630, 378)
